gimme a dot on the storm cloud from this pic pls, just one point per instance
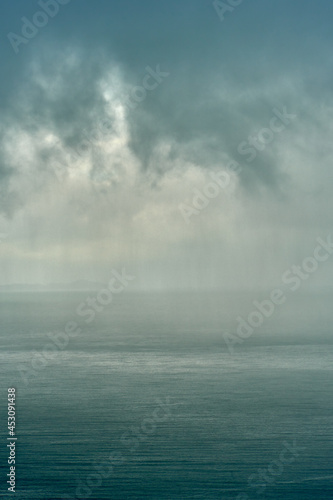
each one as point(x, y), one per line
point(115, 113)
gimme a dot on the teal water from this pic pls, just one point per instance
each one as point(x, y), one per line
point(226, 417)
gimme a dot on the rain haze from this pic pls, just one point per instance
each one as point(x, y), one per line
point(97, 171)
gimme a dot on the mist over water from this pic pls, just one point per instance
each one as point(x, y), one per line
point(227, 416)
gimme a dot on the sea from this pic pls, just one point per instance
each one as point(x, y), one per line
point(149, 401)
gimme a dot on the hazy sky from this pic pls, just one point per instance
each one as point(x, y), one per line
point(95, 170)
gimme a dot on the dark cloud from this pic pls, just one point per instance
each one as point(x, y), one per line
point(225, 79)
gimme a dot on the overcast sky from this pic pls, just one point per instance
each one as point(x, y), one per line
point(97, 171)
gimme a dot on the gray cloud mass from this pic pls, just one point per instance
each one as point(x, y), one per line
point(89, 182)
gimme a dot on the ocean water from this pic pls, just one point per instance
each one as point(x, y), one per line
point(149, 392)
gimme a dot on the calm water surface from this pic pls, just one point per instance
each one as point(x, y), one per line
point(226, 417)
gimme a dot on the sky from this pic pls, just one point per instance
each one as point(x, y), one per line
point(116, 117)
